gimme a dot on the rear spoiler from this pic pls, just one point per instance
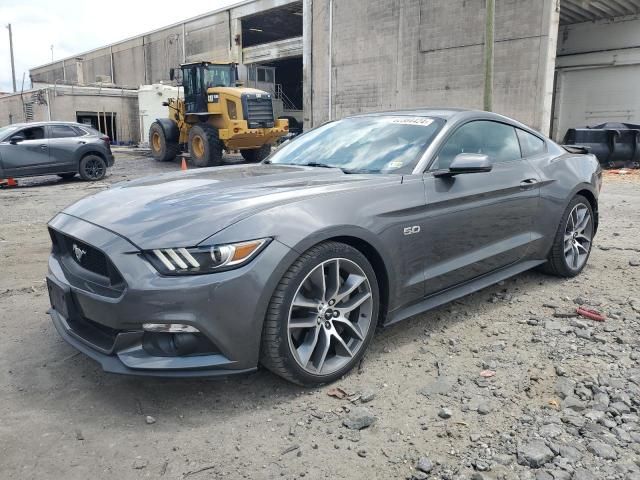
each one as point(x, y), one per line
point(576, 149)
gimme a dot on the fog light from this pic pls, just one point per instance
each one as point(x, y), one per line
point(169, 328)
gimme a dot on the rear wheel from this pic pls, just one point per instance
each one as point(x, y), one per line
point(572, 243)
point(205, 147)
point(322, 315)
point(162, 150)
point(92, 168)
point(256, 154)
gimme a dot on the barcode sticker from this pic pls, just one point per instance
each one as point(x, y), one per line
point(424, 122)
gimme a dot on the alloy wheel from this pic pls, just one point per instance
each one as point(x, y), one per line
point(577, 236)
point(330, 316)
point(94, 168)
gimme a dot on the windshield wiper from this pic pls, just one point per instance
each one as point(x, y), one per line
point(317, 164)
point(320, 165)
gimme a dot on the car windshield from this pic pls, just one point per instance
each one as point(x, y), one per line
point(375, 144)
point(4, 131)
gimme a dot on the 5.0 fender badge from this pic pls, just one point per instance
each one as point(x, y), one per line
point(411, 230)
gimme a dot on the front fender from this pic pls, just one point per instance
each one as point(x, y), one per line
point(299, 236)
point(171, 131)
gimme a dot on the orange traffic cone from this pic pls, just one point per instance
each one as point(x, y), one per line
point(8, 182)
point(184, 164)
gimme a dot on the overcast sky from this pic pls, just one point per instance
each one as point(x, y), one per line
point(73, 27)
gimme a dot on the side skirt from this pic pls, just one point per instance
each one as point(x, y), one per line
point(459, 291)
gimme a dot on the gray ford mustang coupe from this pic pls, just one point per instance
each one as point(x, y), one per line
point(294, 262)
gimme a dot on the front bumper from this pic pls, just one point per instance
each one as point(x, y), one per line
point(240, 136)
point(105, 323)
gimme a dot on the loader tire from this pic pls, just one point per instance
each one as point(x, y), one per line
point(161, 149)
point(205, 147)
point(256, 154)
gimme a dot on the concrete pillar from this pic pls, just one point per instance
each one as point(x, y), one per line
point(235, 30)
point(547, 63)
point(307, 63)
point(79, 72)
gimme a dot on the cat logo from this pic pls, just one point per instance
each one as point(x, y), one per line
point(411, 230)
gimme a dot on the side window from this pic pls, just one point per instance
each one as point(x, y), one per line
point(34, 133)
point(62, 131)
point(497, 140)
point(530, 144)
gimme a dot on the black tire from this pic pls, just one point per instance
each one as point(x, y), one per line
point(557, 263)
point(275, 352)
point(67, 176)
point(92, 168)
point(205, 147)
point(161, 149)
point(257, 154)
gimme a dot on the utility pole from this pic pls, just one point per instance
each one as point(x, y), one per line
point(13, 68)
point(51, 53)
point(489, 32)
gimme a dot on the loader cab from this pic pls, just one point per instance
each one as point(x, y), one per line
point(198, 77)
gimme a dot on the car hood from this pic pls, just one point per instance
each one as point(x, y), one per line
point(185, 208)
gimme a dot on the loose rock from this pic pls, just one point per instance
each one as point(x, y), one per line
point(534, 454)
point(359, 418)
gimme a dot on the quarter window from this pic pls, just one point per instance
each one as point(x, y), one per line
point(496, 140)
point(530, 144)
point(62, 131)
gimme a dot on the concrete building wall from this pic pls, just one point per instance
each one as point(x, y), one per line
point(387, 54)
point(12, 109)
point(598, 73)
point(63, 103)
point(147, 58)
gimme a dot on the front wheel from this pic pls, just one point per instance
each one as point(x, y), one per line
point(572, 243)
point(205, 147)
point(322, 315)
point(92, 168)
point(256, 154)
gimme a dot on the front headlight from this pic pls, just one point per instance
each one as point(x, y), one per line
point(199, 260)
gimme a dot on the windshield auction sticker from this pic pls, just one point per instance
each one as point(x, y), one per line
point(422, 121)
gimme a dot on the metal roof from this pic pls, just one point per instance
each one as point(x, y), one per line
point(579, 11)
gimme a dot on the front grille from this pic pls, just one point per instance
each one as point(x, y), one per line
point(85, 256)
point(258, 111)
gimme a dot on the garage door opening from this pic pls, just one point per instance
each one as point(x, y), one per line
point(272, 25)
point(104, 122)
point(282, 78)
point(597, 65)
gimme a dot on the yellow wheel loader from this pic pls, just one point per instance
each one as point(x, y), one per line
point(216, 114)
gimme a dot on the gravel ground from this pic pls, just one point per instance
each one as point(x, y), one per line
point(503, 384)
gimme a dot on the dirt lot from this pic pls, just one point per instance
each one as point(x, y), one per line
point(565, 394)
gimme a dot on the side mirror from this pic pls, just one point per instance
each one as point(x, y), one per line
point(239, 83)
point(467, 163)
point(17, 138)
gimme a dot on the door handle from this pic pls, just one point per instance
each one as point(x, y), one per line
point(81, 142)
point(528, 183)
point(43, 147)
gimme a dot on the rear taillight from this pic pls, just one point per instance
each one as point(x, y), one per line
point(105, 139)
